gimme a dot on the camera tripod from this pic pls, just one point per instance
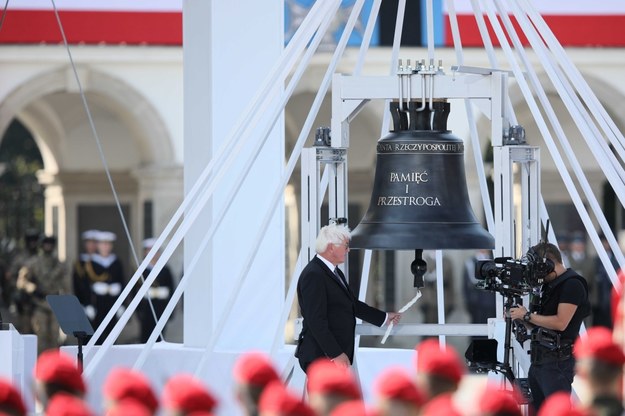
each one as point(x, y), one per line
point(483, 358)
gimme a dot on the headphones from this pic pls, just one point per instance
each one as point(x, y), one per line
point(543, 266)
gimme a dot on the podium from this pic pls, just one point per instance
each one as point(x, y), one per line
point(72, 319)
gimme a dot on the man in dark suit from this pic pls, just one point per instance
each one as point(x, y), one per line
point(328, 306)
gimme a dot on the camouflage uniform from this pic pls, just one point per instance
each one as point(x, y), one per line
point(21, 304)
point(48, 276)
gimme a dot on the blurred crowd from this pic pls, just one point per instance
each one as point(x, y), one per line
point(33, 271)
point(431, 388)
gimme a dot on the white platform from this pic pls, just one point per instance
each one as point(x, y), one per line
point(18, 356)
point(168, 359)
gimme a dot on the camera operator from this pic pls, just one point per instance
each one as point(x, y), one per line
point(554, 321)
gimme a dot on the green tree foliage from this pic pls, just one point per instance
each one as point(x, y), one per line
point(21, 196)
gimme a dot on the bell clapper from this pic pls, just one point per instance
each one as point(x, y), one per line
point(418, 268)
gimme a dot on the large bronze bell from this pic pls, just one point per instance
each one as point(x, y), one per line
point(420, 199)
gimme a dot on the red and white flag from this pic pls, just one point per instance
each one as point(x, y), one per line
point(154, 22)
point(573, 22)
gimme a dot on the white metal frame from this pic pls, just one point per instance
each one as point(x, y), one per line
point(485, 87)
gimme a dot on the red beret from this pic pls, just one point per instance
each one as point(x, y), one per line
point(352, 408)
point(277, 398)
point(598, 343)
point(498, 401)
point(442, 404)
point(185, 392)
point(254, 368)
point(53, 366)
point(62, 404)
point(129, 406)
point(395, 383)
point(124, 383)
point(559, 404)
point(10, 397)
point(324, 376)
point(442, 362)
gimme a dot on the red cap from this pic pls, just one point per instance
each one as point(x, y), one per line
point(442, 362)
point(254, 368)
point(56, 367)
point(442, 404)
point(277, 398)
point(185, 392)
point(559, 404)
point(326, 377)
point(129, 406)
point(498, 401)
point(395, 383)
point(598, 343)
point(122, 383)
point(352, 408)
point(63, 404)
point(11, 398)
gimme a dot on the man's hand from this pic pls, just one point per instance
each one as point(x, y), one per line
point(518, 312)
point(393, 317)
point(342, 360)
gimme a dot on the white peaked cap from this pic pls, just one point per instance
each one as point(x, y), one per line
point(149, 242)
point(106, 236)
point(90, 235)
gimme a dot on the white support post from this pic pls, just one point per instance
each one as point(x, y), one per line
point(507, 202)
point(310, 202)
point(530, 186)
point(504, 202)
point(499, 93)
point(335, 160)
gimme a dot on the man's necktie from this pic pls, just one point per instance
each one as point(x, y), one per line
point(338, 277)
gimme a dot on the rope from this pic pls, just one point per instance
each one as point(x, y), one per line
point(100, 151)
point(402, 310)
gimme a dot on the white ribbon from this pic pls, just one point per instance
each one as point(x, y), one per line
point(402, 310)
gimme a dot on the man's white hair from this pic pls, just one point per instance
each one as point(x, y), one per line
point(332, 234)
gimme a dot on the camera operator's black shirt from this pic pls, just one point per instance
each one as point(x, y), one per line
point(566, 288)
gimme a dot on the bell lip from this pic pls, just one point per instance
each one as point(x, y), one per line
point(428, 236)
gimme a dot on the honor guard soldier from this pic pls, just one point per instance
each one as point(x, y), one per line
point(159, 293)
point(57, 373)
point(20, 301)
point(11, 400)
point(278, 400)
point(126, 384)
point(397, 394)
point(253, 371)
point(185, 395)
point(599, 366)
point(329, 385)
point(106, 280)
point(80, 278)
point(42, 276)
point(439, 370)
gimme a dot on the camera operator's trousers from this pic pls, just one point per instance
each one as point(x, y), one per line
point(550, 377)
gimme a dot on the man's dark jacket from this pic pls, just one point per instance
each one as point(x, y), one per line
point(329, 310)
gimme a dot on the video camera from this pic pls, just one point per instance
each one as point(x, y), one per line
point(510, 276)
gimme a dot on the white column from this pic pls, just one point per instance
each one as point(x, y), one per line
point(228, 51)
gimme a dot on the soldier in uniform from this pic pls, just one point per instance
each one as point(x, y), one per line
point(106, 280)
point(159, 293)
point(42, 276)
point(80, 279)
point(20, 301)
